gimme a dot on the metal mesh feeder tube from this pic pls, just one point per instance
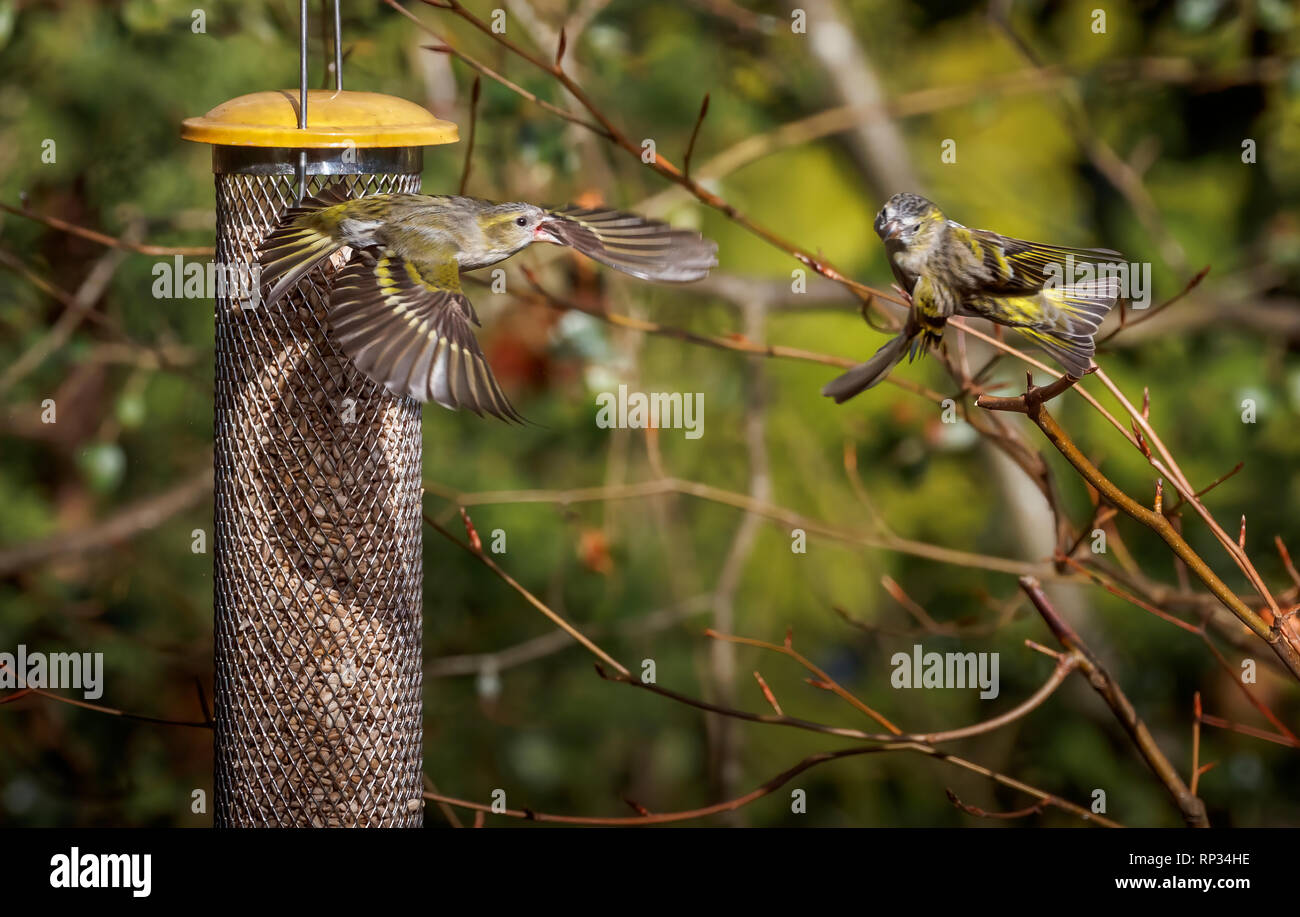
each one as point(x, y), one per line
point(317, 524)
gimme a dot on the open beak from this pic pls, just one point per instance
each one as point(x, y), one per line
point(543, 233)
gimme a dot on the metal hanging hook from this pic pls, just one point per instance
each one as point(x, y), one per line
point(302, 80)
point(338, 48)
point(302, 95)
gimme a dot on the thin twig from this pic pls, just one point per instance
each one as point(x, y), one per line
point(473, 130)
point(123, 526)
point(205, 723)
point(786, 517)
point(771, 786)
point(105, 239)
point(1036, 809)
point(1031, 404)
point(787, 649)
point(532, 599)
point(1193, 809)
point(1221, 723)
point(1064, 666)
point(695, 133)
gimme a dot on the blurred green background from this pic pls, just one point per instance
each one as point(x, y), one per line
point(1171, 90)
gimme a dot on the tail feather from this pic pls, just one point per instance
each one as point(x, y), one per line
point(865, 375)
point(1073, 353)
point(295, 247)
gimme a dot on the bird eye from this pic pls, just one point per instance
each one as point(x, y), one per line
point(522, 221)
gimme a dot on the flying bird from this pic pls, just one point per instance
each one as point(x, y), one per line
point(397, 309)
point(945, 269)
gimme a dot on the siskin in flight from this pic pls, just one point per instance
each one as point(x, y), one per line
point(397, 308)
point(946, 269)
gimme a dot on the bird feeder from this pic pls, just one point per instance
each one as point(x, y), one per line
point(317, 529)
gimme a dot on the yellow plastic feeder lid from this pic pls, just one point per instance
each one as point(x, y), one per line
point(334, 119)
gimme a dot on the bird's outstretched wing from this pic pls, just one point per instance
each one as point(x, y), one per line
point(1020, 266)
point(646, 249)
point(407, 326)
point(296, 245)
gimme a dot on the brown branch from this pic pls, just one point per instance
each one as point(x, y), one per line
point(1234, 676)
point(1193, 809)
point(205, 723)
point(609, 131)
point(1196, 742)
point(788, 650)
point(1182, 501)
point(912, 607)
point(974, 629)
point(1169, 467)
point(786, 517)
point(79, 307)
point(1199, 631)
point(772, 786)
point(105, 239)
point(1063, 668)
point(76, 307)
point(484, 70)
point(125, 525)
point(1030, 80)
point(1076, 119)
point(1251, 731)
point(1020, 404)
point(1150, 313)
point(1036, 809)
point(555, 641)
point(765, 789)
point(1286, 560)
point(734, 342)
point(447, 812)
point(659, 164)
point(1129, 597)
point(963, 325)
point(767, 693)
point(473, 131)
point(695, 133)
point(537, 603)
point(1032, 404)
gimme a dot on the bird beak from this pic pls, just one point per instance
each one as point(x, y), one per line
point(891, 230)
point(543, 233)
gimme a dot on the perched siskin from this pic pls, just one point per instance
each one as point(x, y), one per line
point(947, 269)
point(397, 309)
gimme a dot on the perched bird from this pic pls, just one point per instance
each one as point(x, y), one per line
point(945, 269)
point(397, 308)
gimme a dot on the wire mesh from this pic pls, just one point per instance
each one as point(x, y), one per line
point(317, 550)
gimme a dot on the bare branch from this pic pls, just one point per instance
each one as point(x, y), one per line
point(125, 525)
point(1193, 809)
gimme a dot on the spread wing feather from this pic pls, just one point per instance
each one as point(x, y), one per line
point(1020, 266)
point(647, 249)
point(409, 329)
point(296, 246)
